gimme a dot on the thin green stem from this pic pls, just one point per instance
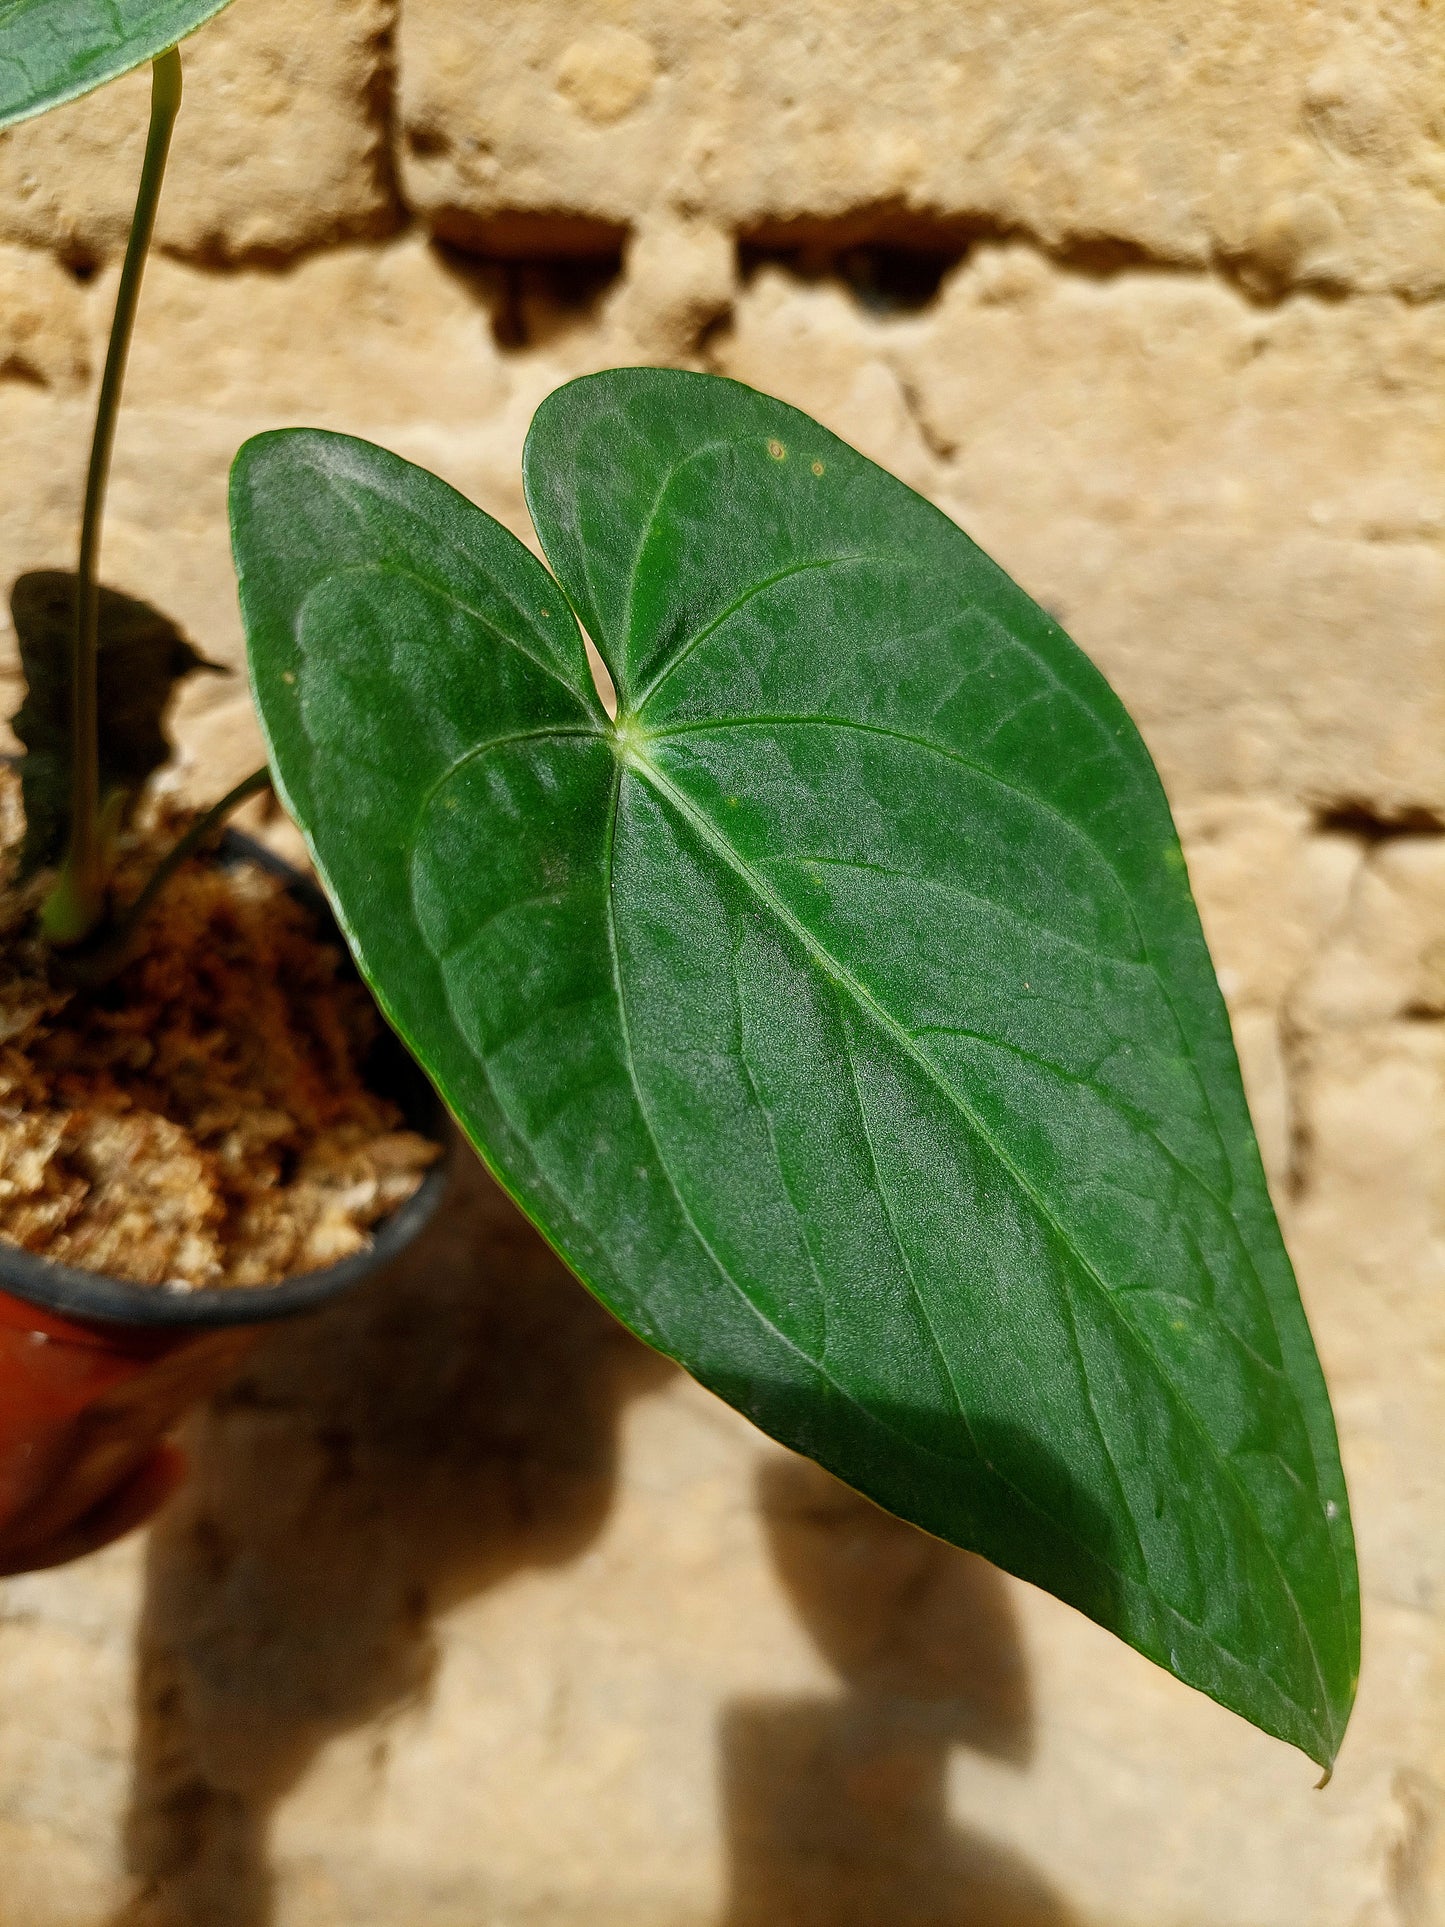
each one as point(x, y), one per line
point(102, 962)
point(77, 902)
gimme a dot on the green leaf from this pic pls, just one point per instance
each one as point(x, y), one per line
point(54, 50)
point(142, 656)
point(842, 1015)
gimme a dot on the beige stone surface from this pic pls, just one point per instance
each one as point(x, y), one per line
point(1282, 144)
point(281, 145)
point(473, 1614)
point(44, 339)
point(1237, 511)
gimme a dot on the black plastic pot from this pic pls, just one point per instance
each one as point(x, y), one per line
point(95, 1371)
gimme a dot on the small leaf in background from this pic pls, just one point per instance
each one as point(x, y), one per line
point(143, 655)
point(54, 50)
point(841, 1013)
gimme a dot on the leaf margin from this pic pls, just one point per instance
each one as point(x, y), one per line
point(24, 98)
point(556, 1234)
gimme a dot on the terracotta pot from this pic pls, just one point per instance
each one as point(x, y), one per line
point(95, 1371)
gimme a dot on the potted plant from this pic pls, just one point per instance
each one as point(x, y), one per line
point(202, 1126)
point(831, 996)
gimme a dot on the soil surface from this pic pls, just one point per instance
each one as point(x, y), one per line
point(201, 1119)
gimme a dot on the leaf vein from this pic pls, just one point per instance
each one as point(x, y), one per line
point(866, 1002)
point(685, 649)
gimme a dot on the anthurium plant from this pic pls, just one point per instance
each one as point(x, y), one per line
point(837, 1007)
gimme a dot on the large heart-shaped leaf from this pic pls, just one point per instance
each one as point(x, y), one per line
point(841, 1014)
point(53, 50)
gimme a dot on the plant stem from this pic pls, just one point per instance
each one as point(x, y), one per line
point(98, 964)
point(76, 903)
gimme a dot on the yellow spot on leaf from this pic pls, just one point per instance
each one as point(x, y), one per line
point(817, 468)
point(776, 450)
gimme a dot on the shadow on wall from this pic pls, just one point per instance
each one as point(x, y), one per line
point(537, 278)
point(835, 1808)
point(452, 1424)
point(456, 1423)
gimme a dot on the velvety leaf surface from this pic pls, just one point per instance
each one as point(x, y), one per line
point(842, 1015)
point(142, 656)
point(54, 50)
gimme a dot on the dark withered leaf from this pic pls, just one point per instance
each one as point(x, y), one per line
point(143, 655)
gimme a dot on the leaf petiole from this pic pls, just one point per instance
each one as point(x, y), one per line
point(77, 900)
point(103, 961)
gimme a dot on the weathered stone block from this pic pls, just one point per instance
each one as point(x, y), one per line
point(281, 143)
point(44, 336)
point(1237, 511)
point(1289, 147)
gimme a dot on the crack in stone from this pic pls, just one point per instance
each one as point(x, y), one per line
point(1372, 824)
point(1408, 1864)
point(380, 102)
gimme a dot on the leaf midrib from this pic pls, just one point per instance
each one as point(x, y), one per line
point(716, 726)
point(686, 649)
point(1083, 1080)
point(648, 771)
point(1067, 1531)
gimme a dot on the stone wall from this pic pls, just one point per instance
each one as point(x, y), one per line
point(473, 1612)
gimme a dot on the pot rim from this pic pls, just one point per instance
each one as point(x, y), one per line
point(98, 1298)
